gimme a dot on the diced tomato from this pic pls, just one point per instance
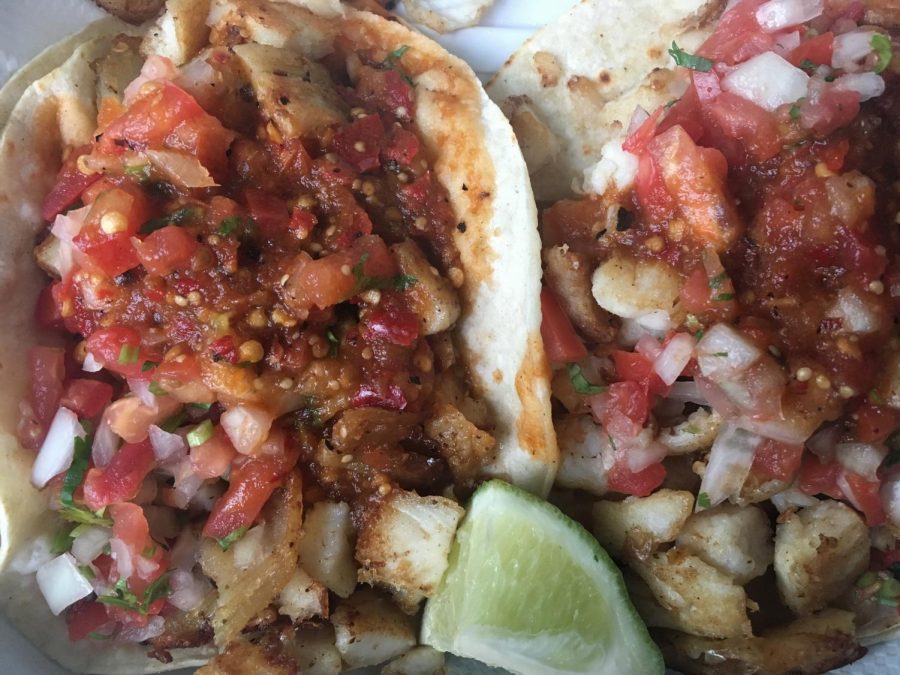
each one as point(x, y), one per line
point(392, 320)
point(380, 393)
point(70, 183)
point(268, 211)
point(695, 295)
point(402, 147)
point(864, 495)
point(224, 349)
point(166, 250)
point(206, 139)
point(622, 409)
point(48, 369)
point(560, 339)
point(387, 91)
point(302, 222)
point(47, 313)
point(359, 143)
point(834, 153)
point(774, 459)
point(687, 112)
point(650, 192)
point(118, 349)
point(828, 109)
point(87, 398)
point(638, 368)
point(754, 127)
point(121, 479)
point(738, 35)
point(817, 477)
point(212, 458)
point(251, 484)
point(148, 559)
point(182, 370)
point(85, 617)
point(817, 50)
point(644, 482)
point(638, 140)
point(875, 422)
point(124, 209)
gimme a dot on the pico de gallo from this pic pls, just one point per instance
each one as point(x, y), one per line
point(253, 274)
point(724, 322)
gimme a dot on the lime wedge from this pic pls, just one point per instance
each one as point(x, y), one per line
point(529, 590)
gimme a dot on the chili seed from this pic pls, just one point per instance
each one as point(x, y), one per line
point(803, 374)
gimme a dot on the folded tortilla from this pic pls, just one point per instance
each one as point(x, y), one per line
point(477, 160)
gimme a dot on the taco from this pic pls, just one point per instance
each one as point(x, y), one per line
point(721, 268)
point(270, 279)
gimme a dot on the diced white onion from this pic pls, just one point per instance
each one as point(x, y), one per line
point(867, 85)
point(616, 169)
point(120, 553)
point(674, 357)
point(792, 498)
point(862, 459)
point(30, 558)
point(854, 312)
point(850, 49)
point(716, 398)
point(247, 426)
point(823, 443)
point(90, 543)
point(775, 15)
point(91, 365)
point(141, 389)
point(61, 583)
point(167, 447)
point(767, 80)
point(182, 169)
point(249, 548)
point(649, 346)
point(641, 456)
point(778, 429)
point(890, 498)
point(687, 392)
point(786, 43)
point(638, 117)
point(156, 626)
point(187, 589)
point(724, 352)
point(105, 443)
point(58, 449)
point(631, 331)
point(729, 463)
point(186, 483)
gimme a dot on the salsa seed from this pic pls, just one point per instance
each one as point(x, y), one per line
point(251, 351)
point(358, 112)
point(282, 318)
point(654, 244)
point(113, 222)
point(194, 297)
point(367, 353)
point(372, 296)
point(877, 287)
point(384, 489)
point(403, 177)
point(180, 300)
point(257, 318)
point(822, 382)
point(822, 170)
point(401, 111)
point(803, 374)
point(846, 392)
point(357, 184)
point(258, 383)
point(331, 157)
point(307, 202)
point(82, 166)
point(284, 279)
point(80, 351)
point(315, 247)
point(457, 278)
point(420, 223)
point(345, 270)
point(423, 363)
point(368, 188)
point(330, 231)
point(359, 146)
point(286, 383)
point(346, 459)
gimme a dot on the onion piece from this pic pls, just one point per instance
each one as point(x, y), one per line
point(105, 443)
point(155, 626)
point(29, 559)
point(855, 312)
point(61, 583)
point(725, 352)
point(638, 117)
point(182, 169)
point(862, 459)
point(167, 447)
point(141, 389)
point(851, 49)
point(729, 464)
point(776, 15)
point(187, 589)
point(247, 427)
point(687, 391)
point(154, 68)
point(649, 346)
point(66, 226)
point(716, 398)
point(186, 483)
point(768, 80)
point(823, 443)
point(778, 429)
point(867, 85)
point(58, 448)
point(674, 357)
point(890, 498)
point(91, 365)
point(90, 543)
point(640, 457)
point(120, 553)
point(792, 498)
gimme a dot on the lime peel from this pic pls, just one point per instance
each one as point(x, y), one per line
point(530, 590)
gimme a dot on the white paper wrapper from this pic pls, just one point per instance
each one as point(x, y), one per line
point(29, 27)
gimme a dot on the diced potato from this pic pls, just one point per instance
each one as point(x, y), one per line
point(180, 33)
point(637, 525)
point(698, 598)
point(369, 629)
point(819, 552)
point(417, 661)
point(243, 594)
point(326, 547)
point(241, 658)
point(643, 290)
point(314, 650)
point(465, 447)
point(404, 544)
point(582, 446)
point(432, 296)
point(295, 93)
point(303, 598)
point(734, 540)
point(697, 432)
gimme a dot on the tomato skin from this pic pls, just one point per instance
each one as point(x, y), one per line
point(48, 370)
point(69, 185)
point(402, 147)
point(874, 422)
point(107, 345)
point(817, 477)
point(166, 250)
point(818, 50)
point(87, 398)
point(85, 617)
point(644, 482)
point(560, 339)
point(251, 484)
point(368, 131)
point(121, 479)
point(777, 460)
point(622, 409)
point(864, 495)
point(392, 320)
point(380, 393)
point(387, 91)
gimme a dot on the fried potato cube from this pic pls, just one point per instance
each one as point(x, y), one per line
point(303, 598)
point(637, 525)
point(369, 629)
point(242, 657)
point(582, 446)
point(404, 544)
point(180, 33)
point(432, 296)
point(819, 552)
point(466, 448)
point(734, 540)
point(326, 547)
point(314, 650)
point(417, 661)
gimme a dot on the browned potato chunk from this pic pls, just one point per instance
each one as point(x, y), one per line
point(241, 658)
point(132, 11)
point(369, 629)
point(432, 297)
point(465, 447)
point(637, 525)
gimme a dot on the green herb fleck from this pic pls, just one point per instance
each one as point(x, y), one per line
point(580, 382)
point(179, 217)
point(724, 297)
point(875, 397)
point(173, 422)
point(333, 343)
point(139, 171)
point(795, 109)
point(94, 635)
point(75, 474)
point(722, 354)
point(703, 500)
point(692, 429)
point(401, 282)
point(685, 60)
point(671, 103)
point(149, 551)
point(123, 597)
point(881, 45)
point(200, 434)
point(229, 225)
point(201, 406)
point(157, 389)
point(718, 280)
point(149, 365)
point(84, 516)
point(86, 571)
point(128, 354)
point(808, 65)
point(398, 53)
point(62, 540)
point(226, 541)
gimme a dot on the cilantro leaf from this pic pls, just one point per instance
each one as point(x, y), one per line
point(156, 389)
point(226, 541)
point(333, 343)
point(84, 516)
point(398, 53)
point(795, 109)
point(62, 540)
point(580, 382)
point(123, 597)
point(881, 45)
point(229, 225)
point(718, 280)
point(75, 474)
point(128, 354)
point(703, 500)
point(685, 60)
point(179, 217)
point(808, 65)
point(724, 297)
point(173, 422)
point(400, 282)
point(149, 365)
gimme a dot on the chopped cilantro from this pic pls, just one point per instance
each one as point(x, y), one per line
point(580, 382)
point(229, 225)
point(96, 635)
point(875, 397)
point(149, 365)
point(123, 597)
point(333, 342)
point(308, 415)
point(149, 551)
point(62, 540)
point(718, 280)
point(808, 65)
point(128, 354)
point(685, 60)
point(722, 354)
point(401, 282)
point(795, 109)
point(173, 422)
point(157, 390)
point(671, 103)
point(179, 217)
point(881, 45)
point(703, 500)
point(201, 406)
point(398, 53)
point(226, 541)
point(200, 433)
point(724, 297)
point(139, 171)
point(84, 516)
point(75, 474)
point(86, 571)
